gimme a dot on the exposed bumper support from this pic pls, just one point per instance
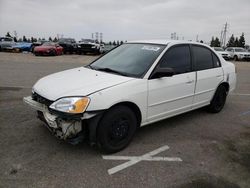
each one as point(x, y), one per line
point(62, 128)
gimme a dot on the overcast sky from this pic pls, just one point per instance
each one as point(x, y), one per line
point(125, 19)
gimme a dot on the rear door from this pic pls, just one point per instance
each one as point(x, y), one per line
point(168, 96)
point(209, 74)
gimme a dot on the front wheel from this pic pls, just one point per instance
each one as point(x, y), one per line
point(218, 100)
point(116, 129)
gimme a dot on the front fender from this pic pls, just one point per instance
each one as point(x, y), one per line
point(134, 91)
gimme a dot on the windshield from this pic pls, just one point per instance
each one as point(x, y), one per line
point(66, 40)
point(129, 59)
point(240, 50)
point(87, 41)
point(218, 49)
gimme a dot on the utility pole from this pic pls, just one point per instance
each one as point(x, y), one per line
point(224, 34)
point(97, 36)
point(197, 38)
point(101, 37)
point(15, 34)
point(221, 34)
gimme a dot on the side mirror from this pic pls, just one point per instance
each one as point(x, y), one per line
point(162, 72)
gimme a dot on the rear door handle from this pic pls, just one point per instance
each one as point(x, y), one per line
point(190, 82)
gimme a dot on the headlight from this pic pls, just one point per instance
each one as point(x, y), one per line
point(72, 105)
point(93, 46)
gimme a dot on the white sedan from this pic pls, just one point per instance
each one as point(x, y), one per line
point(133, 85)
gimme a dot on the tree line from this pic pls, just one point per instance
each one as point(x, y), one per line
point(31, 39)
point(232, 42)
point(55, 39)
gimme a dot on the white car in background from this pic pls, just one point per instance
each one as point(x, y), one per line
point(222, 52)
point(133, 85)
point(238, 53)
point(6, 43)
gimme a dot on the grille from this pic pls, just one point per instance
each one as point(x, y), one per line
point(86, 46)
point(40, 99)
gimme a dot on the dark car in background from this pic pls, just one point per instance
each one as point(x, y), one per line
point(48, 48)
point(89, 46)
point(69, 45)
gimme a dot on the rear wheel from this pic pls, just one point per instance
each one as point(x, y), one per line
point(218, 100)
point(116, 129)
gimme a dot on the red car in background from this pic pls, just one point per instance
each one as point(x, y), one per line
point(48, 48)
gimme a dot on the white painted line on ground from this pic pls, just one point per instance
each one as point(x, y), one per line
point(135, 159)
point(241, 94)
point(244, 113)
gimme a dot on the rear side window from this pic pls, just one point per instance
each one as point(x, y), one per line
point(216, 60)
point(178, 58)
point(202, 58)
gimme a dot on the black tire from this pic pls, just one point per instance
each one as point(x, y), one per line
point(116, 129)
point(218, 100)
point(235, 58)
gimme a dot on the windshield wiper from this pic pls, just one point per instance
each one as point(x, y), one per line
point(90, 66)
point(112, 71)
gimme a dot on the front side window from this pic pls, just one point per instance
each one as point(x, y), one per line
point(202, 58)
point(129, 59)
point(178, 58)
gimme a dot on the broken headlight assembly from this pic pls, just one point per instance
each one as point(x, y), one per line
point(73, 105)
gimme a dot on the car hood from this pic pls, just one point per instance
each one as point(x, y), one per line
point(43, 47)
point(76, 82)
point(22, 45)
point(244, 53)
point(222, 52)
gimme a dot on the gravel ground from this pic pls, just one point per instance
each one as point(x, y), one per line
point(215, 148)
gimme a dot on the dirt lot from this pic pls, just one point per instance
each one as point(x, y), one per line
point(214, 148)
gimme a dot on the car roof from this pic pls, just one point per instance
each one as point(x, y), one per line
point(165, 42)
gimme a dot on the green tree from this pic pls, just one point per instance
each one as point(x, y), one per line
point(236, 42)
point(212, 42)
point(231, 41)
point(24, 39)
point(118, 43)
point(110, 43)
point(217, 42)
point(114, 43)
point(15, 39)
point(55, 39)
point(242, 41)
point(8, 34)
point(121, 42)
point(50, 39)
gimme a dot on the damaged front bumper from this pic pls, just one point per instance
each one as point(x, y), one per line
point(64, 127)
